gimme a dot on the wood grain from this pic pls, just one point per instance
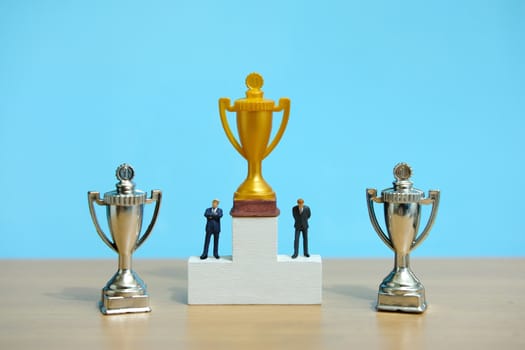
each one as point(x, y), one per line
point(473, 304)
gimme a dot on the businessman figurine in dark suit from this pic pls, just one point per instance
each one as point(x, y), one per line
point(301, 214)
point(213, 227)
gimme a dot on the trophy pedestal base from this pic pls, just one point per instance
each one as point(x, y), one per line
point(124, 293)
point(113, 305)
point(255, 274)
point(254, 208)
point(412, 303)
point(401, 291)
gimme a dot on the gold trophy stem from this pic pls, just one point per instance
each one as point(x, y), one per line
point(254, 170)
point(254, 186)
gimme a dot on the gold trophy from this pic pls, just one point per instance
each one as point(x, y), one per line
point(254, 197)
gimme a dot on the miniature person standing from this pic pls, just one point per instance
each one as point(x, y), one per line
point(301, 214)
point(213, 227)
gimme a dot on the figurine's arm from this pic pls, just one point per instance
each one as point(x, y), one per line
point(211, 216)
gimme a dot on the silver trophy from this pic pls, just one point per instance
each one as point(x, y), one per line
point(401, 290)
point(125, 292)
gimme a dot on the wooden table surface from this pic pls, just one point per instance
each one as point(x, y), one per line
point(473, 304)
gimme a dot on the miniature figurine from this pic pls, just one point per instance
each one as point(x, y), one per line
point(301, 214)
point(213, 227)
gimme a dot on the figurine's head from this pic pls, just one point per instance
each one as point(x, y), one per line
point(215, 203)
point(300, 202)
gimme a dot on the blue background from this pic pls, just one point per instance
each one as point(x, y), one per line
point(87, 85)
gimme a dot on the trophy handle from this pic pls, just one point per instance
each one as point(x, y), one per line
point(95, 197)
point(284, 105)
point(156, 196)
point(224, 105)
point(371, 197)
point(433, 198)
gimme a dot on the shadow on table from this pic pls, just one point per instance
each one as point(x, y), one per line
point(172, 272)
point(355, 291)
point(77, 294)
point(179, 294)
point(178, 273)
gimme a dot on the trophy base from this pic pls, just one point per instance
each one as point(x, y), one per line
point(411, 303)
point(254, 208)
point(124, 293)
point(114, 305)
point(401, 291)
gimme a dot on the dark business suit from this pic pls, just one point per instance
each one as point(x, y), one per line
point(213, 227)
point(301, 225)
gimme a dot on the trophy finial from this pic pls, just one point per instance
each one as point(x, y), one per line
point(402, 172)
point(125, 174)
point(254, 82)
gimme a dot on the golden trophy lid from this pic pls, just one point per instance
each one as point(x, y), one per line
point(254, 100)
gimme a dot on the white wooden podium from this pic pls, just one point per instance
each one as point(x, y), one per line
point(255, 274)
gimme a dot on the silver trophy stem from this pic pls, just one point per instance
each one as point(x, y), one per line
point(124, 261)
point(402, 261)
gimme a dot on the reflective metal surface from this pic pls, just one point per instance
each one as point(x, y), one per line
point(254, 126)
point(125, 292)
point(401, 290)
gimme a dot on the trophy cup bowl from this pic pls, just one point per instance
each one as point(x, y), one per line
point(401, 290)
point(254, 130)
point(125, 292)
point(402, 223)
point(254, 197)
